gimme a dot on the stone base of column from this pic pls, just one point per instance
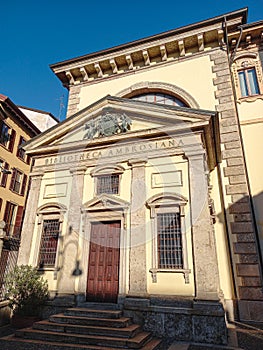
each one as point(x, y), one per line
point(184, 320)
point(207, 296)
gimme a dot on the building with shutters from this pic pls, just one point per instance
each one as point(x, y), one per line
point(17, 126)
point(15, 130)
point(148, 194)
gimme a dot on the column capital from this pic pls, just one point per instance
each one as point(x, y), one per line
point(137, 162)
point(78, 170)
point(36, 175)
point(193, 155)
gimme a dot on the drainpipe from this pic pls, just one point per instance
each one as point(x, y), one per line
point(230, 62)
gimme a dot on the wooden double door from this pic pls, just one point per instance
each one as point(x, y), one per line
point(104, 257)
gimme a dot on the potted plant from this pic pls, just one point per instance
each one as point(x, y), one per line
point(26, 291)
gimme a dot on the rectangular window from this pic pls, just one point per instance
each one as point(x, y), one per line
point(170, 252)
point(20, 151)
point(9, 218)
point(248, 82)
point(108, 184)
point(4, 133)
point(16, 181)
point(49, 242)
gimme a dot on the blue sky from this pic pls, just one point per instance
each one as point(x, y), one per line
point(35, 34)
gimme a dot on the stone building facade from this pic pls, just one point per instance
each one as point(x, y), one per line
point(145, 194)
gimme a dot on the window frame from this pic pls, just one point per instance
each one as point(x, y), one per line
point(247, 83)
point(111, 184)
point(18, 187)
point(243, 62)
point(5, 138)
point(43, 238)
point(21, 153)
point(166, 255)
point(10, 218)
point(167, 203)
point(49, 211)
point(104, 171)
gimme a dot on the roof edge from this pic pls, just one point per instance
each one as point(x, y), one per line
point(241, 12)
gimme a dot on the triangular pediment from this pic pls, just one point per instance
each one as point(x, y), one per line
point(105, 202)
point(112, 119)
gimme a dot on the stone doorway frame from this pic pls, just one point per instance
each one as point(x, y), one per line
point(102, 209)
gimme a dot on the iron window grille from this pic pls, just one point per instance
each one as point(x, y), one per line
point(170, 250)
point(49, 242)
point(108, 184)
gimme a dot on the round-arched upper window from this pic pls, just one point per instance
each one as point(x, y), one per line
point(159, 97)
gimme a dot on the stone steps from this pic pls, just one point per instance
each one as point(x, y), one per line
point(135, 342)
point(12, 343)
point(123, 332)
point(81, 320)
point(93, 313)
point(82, 328)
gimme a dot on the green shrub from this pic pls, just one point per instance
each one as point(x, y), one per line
point(26, 290)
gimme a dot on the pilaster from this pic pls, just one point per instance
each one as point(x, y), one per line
point(204, 249)
point(29, 218)
point(137, 268)
point(70, 261)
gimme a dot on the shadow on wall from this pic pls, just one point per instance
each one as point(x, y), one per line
point(247, 243)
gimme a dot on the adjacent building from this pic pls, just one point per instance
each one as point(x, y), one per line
point(17, 126)
point(15, 130)
point(149, 193)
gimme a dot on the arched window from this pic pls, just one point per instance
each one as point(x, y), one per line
point(160, 97)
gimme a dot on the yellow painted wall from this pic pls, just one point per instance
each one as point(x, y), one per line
point(193, 75)
point(14, 162)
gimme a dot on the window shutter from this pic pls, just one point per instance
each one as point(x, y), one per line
point(12, 140)
point(28, 158)
point(7, 209)
point(1, 202)
point(23, 185)
point(4, 176)
point(18, 222)
point(18, 146)
point(12, 183)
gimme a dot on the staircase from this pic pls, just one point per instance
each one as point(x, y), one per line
point(82, 328)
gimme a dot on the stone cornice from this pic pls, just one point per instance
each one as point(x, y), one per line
point(250, 35)
point(156, 49)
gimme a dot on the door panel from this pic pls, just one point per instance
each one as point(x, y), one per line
point(103, 269)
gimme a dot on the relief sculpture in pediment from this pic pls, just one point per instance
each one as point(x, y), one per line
point(106, 125)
